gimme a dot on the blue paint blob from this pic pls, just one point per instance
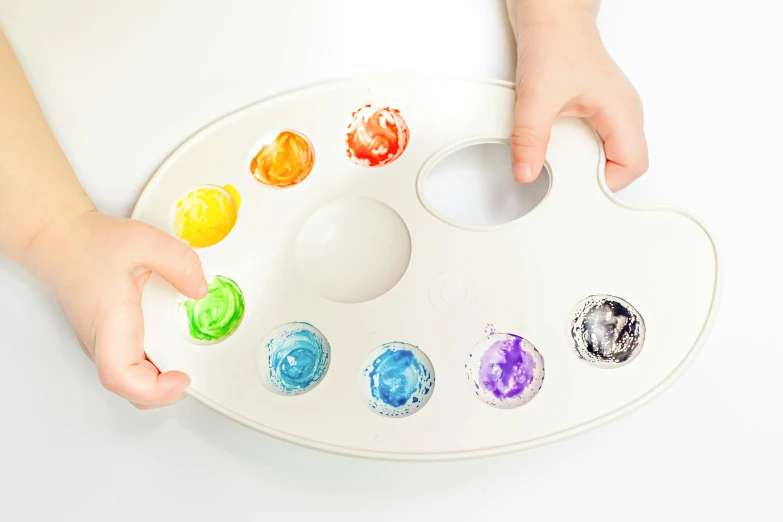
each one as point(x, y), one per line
point(294, 359)
point(397, 379)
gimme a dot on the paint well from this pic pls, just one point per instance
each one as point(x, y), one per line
point(353, 250)
point(505, 370)
point(284, 162)
point(294, 359)
point(608, 332)
point(215, 317)
point(206, 215)
point(376, 136)
point(397, 380)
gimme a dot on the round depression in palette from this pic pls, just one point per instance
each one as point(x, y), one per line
point(346, 313)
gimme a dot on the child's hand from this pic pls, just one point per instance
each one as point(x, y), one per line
point(564, 70)
point(96, 266)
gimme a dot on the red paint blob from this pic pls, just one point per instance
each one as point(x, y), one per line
point(376, 136)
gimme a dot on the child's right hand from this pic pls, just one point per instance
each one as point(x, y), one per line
point(96, 267)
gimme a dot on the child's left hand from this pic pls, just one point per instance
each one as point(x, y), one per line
point(564, 70)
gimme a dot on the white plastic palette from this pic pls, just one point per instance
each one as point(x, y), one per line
point(356, 253)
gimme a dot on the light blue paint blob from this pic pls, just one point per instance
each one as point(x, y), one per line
point(297, 358)
point(397, 380)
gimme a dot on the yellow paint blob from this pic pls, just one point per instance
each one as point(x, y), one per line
point(204, 216)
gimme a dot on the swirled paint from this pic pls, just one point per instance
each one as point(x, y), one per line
point(608, 331)
point(505, 370)
point(397, 380)
point(204, 216)
point(284, 162)
point(294, 358)
point(376, 136)
point(218, 315)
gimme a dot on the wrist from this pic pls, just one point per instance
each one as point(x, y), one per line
point(50, 241)
point(534, 12)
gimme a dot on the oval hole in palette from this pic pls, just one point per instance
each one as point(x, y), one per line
point(473, 186)
point(363, 261)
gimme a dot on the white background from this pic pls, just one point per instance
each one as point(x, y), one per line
point(123, 83)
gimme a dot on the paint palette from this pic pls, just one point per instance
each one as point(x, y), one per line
point(346, 313)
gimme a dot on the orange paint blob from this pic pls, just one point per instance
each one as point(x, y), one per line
point(376, 136)
point(285, 162)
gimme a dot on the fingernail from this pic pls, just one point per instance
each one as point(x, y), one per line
point(523, 172)
point(203, 289)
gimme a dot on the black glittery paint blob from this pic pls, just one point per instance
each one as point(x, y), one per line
point(607, 331)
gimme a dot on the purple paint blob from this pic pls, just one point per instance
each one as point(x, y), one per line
point(506, 368)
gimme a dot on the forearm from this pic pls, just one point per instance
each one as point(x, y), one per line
point(38, 188)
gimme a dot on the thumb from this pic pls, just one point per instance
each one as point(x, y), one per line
point(122, 367)
point(534, 115)
point(173, 260)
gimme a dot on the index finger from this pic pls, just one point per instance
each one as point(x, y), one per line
point(622, 130)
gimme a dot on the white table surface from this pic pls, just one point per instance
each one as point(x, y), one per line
point(123, 83)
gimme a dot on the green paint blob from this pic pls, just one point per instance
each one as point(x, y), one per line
point(217, 315)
